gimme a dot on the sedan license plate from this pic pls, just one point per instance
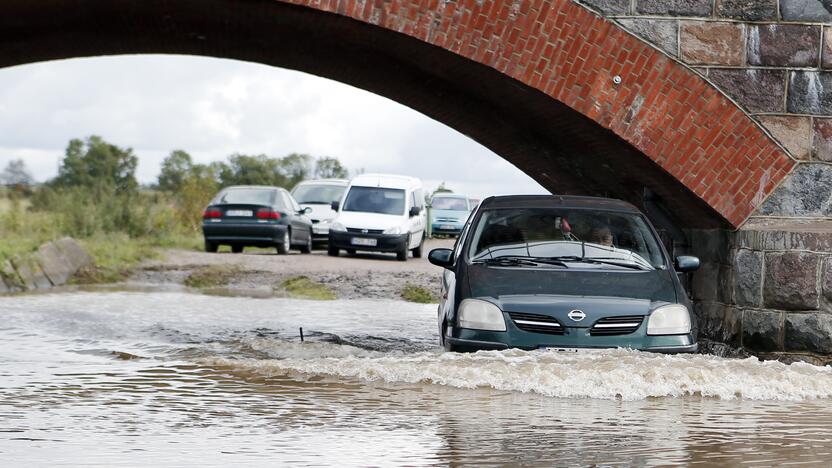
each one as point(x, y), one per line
point(364, 241)
point(248, 213)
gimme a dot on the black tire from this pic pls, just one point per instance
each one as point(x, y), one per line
point(401, 255)
point(332, 251)
point(351, 251)
point(211, 247)
point(306, 249)
point(417, 252)
point(237, 248)
point(283, 247)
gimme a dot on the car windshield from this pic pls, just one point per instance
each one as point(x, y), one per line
point(246, 196)
point(375, 200)
point(563, 235)
point(449, 203)
point(322, 194)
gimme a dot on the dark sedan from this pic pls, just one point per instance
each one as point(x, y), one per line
point(564, 273)
point(257, 216)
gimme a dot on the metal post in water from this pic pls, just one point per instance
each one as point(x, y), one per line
point(301, 334)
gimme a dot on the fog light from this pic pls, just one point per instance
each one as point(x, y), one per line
point(481, 315)
point(673, 319)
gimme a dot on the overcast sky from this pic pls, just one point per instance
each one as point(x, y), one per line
point(212, 108)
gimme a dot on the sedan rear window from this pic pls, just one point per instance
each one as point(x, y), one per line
point(546, 233)
point(246, 196)
point(375, 200)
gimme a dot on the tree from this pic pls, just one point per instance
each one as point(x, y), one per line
point(442, 189)
point(330, 168)
point(16, 174)
point(175, 169)
point(295, 168)
point(96, 163)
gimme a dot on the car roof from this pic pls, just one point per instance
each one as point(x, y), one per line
point(343, 182)
point(264, 187)
point(561, 201)
point(448, 195)
point(386, 181)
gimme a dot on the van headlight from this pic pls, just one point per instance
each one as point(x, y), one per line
point(393, 230)
point(673, 319)
point(481, 315)
point(336, 226)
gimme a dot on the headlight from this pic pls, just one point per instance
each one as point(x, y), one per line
point(336, 226)
point(481, 315)
point(671, 319)
point(393, 230)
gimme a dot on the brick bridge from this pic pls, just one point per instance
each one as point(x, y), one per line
point(711, 115)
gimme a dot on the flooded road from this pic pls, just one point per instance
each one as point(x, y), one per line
point(170, 378)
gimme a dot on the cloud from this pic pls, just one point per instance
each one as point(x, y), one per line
point(214, 107)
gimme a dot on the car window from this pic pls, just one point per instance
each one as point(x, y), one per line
point(449, 203)
point(322, 194)
point(375, 200)
point(420, 198)
point(555, 232)
point(289, 201)
point(248, 196)
point(460, 241)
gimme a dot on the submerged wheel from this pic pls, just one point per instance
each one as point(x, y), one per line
point(284, 246)
point(307, 248)
point(236, 248)
point(211, 247)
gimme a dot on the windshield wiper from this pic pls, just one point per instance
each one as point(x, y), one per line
point(521, 260)
point(599, 260)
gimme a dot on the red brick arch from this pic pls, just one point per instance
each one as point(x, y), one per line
point(535, 80)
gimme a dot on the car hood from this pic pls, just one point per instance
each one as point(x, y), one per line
point(319, 212)
point(362, 220)
point(500, 283)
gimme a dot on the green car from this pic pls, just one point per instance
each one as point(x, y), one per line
point(562, 273)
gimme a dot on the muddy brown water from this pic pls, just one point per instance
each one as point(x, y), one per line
point(171, 378)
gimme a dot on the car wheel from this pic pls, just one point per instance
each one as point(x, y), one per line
point(286, 244)
point(351, 251)
point(401, 255)
point(332, 251)
point(236, 248)
point(308, 247)
point(417, 252)
point(211, 247)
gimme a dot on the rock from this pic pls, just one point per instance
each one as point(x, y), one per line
point(810, 92)
point(793, 132)
point(54, 264)
point(711, 43)
point(30, 273)
point(809, 332)
point(822, 139)
point(755, 89)
point(748, 10)
point(784, 45)
point(719, 322)
point(75, 255)
point(610, 7)
point(761, 330)
point(661, 33)
point(675, 7)
point(748, 278)
point(791, 281)
point(826, 283)
point(826, 53)
point(806, 192)
point(806, 10)
point(9, 277)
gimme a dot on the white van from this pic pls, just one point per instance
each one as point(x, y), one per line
point(380, 213)
point(318, 195)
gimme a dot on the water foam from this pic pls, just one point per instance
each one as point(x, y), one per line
point(608, 374)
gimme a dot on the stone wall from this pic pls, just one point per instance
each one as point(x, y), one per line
point(51, 265)
point(772, 57)
point(767, 289)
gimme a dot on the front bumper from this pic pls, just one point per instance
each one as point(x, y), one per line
point(320, 232)
point(464, 339)
point(445, 228)
point(384, 242)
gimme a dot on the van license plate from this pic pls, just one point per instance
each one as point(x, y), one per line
point(564, 350)
point(363, 241)
point(248, 213)
point(446, 227)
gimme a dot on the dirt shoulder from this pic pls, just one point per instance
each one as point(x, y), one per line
point(263, 273)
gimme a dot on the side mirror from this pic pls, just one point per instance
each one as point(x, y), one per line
point(441, 257)
point(306, 210)
point(335, 205)
point(414, 211)
point(685, 263)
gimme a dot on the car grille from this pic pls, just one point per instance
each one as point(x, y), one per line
point(536, 323)
point(361, 231)
point(446, 220)
point(623, 325)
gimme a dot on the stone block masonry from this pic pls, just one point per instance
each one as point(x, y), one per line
point(53, 264)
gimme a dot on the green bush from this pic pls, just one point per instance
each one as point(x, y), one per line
point(413, 293)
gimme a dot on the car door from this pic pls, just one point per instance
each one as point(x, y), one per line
point(416, 223)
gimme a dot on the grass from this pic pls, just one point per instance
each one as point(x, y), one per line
point(212, 276)
point(413, 293)
point(302, 287)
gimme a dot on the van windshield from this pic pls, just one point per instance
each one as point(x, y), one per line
point(564, 235)
point(322, 194)
point(375, 200)
point(449, 203)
